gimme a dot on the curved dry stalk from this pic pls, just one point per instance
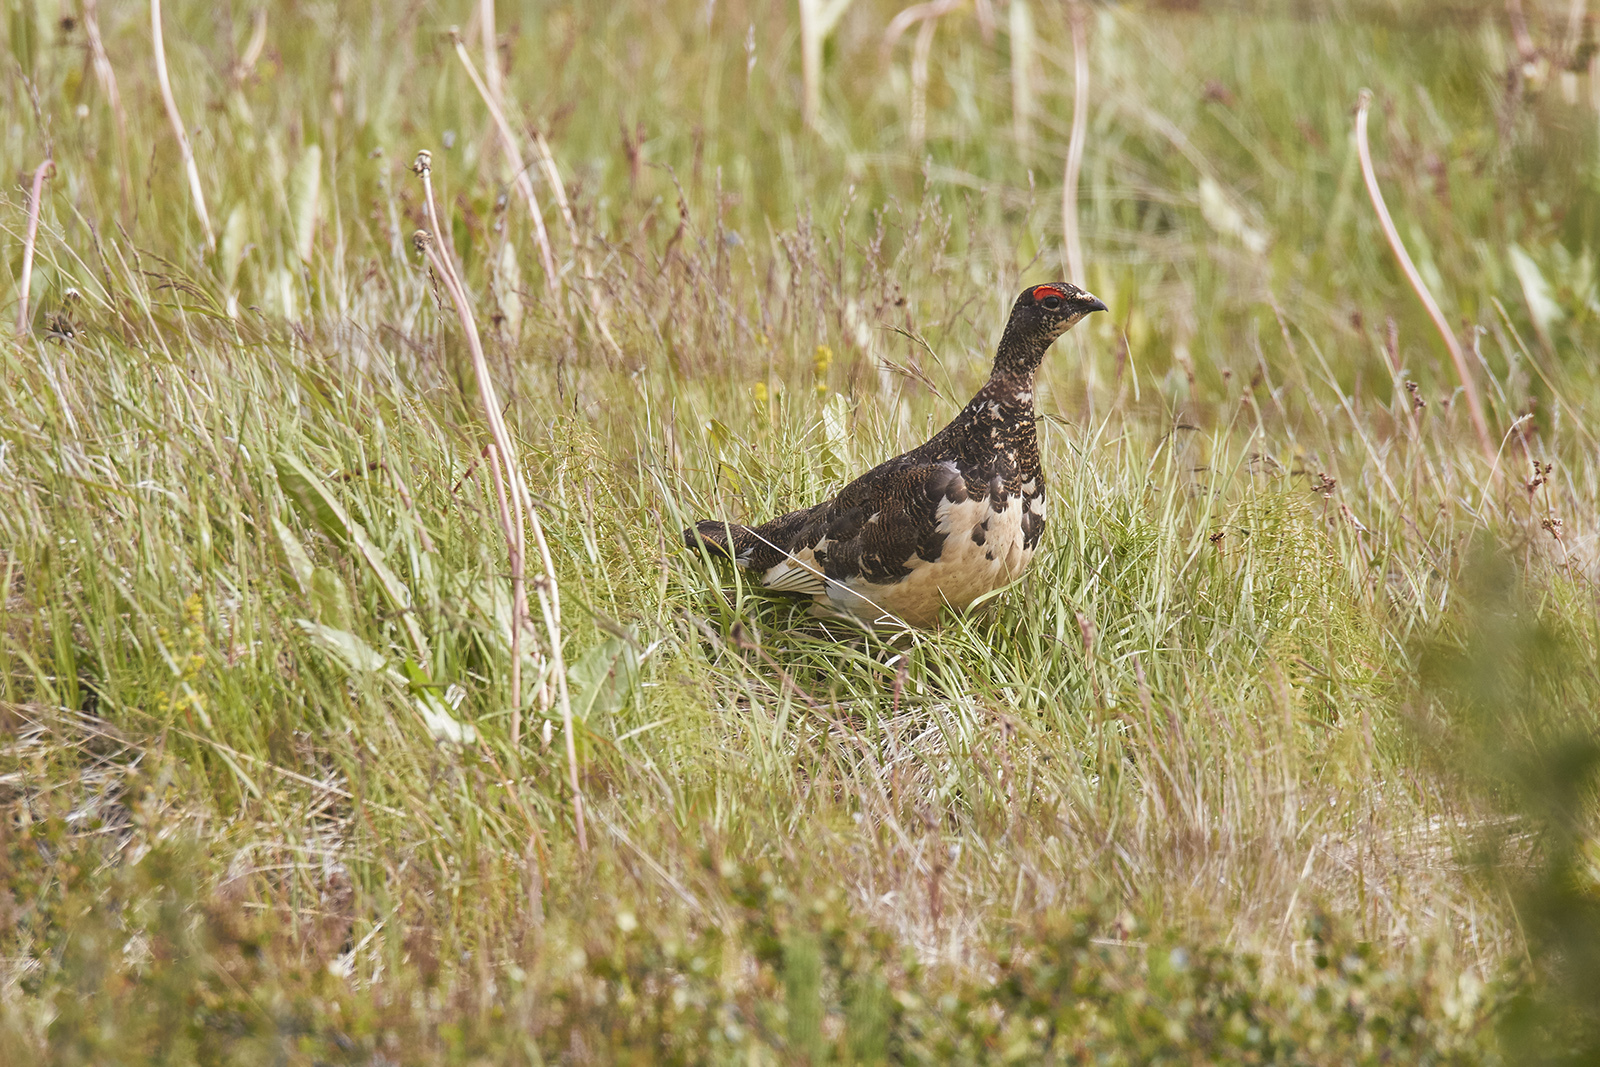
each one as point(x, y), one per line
point(817, 20)
point(558, 189)
point(40, 173)
point(597, 302)
point(909, 17)
point(107, 77)
point(521, 503)
point(253, 48)
point(1075, 146)
point(926, 18)
point(508, 141)
point(1474, 406)
point(176, 119)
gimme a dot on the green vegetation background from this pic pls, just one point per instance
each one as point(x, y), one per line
point(1282, 752)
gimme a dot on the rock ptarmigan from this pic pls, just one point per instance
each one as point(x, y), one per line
point(934, 529)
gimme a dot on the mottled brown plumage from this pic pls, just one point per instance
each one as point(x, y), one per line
point(936, 528)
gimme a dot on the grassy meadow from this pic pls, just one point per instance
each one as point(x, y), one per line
point(1282, 752)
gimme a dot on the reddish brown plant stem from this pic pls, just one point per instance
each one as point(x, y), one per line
point(520, 503)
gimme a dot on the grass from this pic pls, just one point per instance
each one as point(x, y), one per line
point(1281, 752)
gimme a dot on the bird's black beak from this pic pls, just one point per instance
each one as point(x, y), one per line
point(1090, 302)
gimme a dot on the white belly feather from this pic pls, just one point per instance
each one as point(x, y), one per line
point(964, 571)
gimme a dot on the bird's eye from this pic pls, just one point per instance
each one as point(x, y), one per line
point(1051, 303)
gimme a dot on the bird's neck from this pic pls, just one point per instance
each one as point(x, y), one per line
point(1005, 399)
point(1020, 352)
point(1010, 391)
point(1002, 411)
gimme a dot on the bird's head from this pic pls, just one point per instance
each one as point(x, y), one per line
point(1041, 314)
point(1053, 309)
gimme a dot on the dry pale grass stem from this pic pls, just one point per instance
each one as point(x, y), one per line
point(503, 457)
point(491, 44)
point(253, 48)
point(1577, 18)
point(1474, 405)
point(920, 51)
point(35, 198)
point(1075, 146)
point(817, 20)
point(1022, 48)
point(926, 18)
point(107, 77)
point(494, 101)
point(511, 524)
point(508, 141)
point(159, 46)
point(597, 301)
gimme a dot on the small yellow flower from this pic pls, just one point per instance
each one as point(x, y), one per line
point(759, 391)
point(819, 368)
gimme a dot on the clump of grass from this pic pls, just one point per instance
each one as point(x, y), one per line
point(264, 787)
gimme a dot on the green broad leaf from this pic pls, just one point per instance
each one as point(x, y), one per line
point(837, 457)
point(319, 504)
point(330, 600)
point(231, 248)
point(444, 726)
point(305, 189)
point(346, 647)
point(604, 679)
point(312, 498)
point(300, 566)
point(493, 602)
point(437, 712)
point(1542, 305)
point(720, 436)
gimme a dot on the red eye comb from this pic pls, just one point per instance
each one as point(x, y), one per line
point(1047, 290)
